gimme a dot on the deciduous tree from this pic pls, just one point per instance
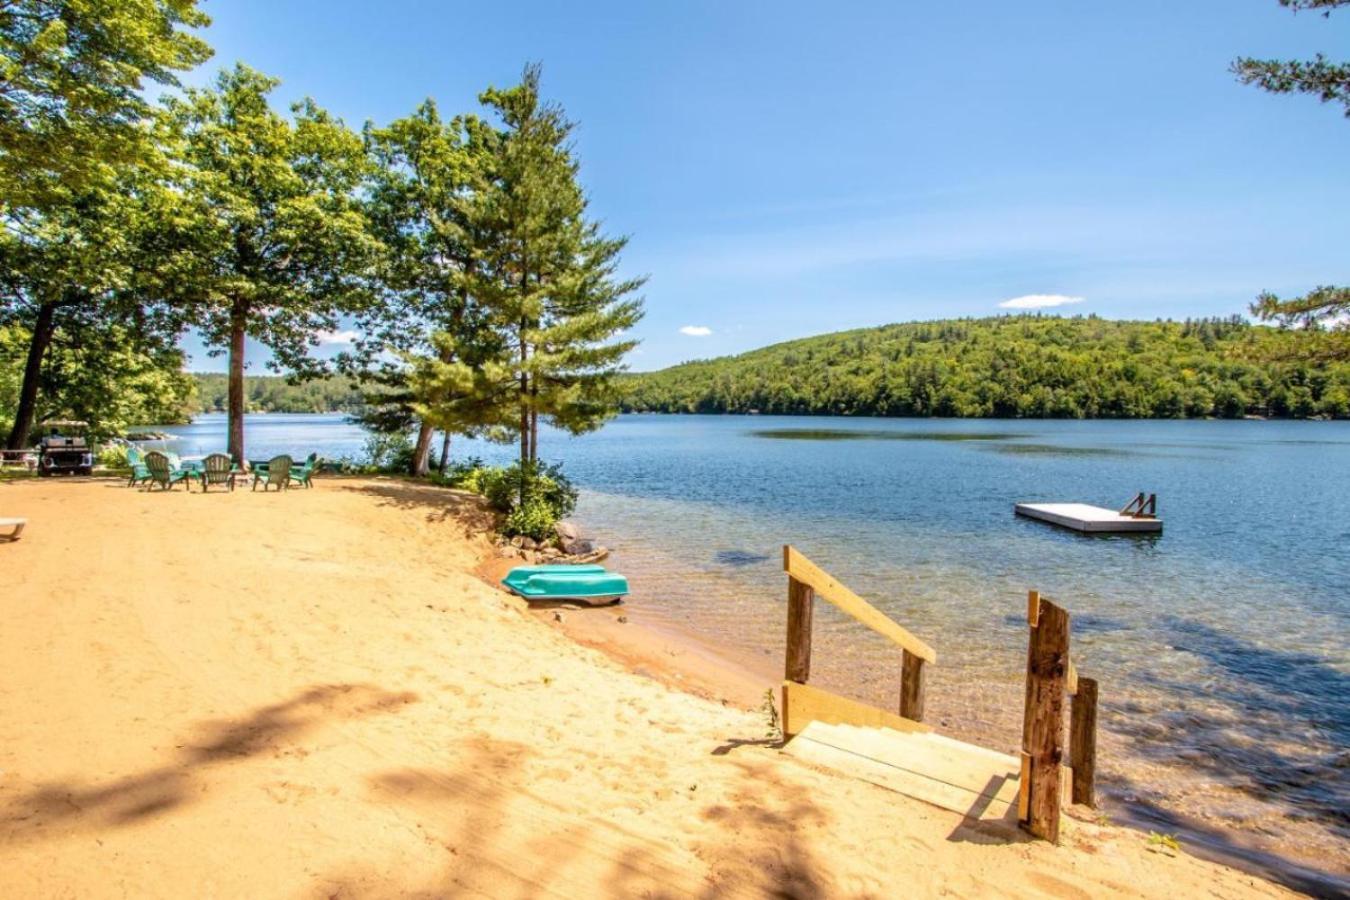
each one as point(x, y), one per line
point(270, 240)
point(72, 81)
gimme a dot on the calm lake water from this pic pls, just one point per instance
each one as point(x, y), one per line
point(1220, 646)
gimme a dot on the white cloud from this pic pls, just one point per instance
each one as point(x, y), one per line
point(1039, 301)
point(337, 337)
point(696, 330)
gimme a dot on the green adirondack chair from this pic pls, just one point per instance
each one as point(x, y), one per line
point(139, 472)
point(163, 472)
point(277, 474)
point(303, 473)
point(217, 468)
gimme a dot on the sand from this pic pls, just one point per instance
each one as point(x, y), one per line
point(315, 695)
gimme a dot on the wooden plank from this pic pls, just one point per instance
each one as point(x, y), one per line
point(912, 690)
point(803, 704)
point(1043, 722)
point(1024, 788)
point(987, 792)
point(1033, 608)
point(1071, 679)
point(944, 759)
point(1083, 742)
point(801, 603)
point(803, 570)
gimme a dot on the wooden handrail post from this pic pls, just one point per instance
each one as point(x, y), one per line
point(911, 687)
point(1083, 742)
point(1043, 723)
point(801, 606)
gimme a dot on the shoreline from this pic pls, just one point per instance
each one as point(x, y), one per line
point(332, 702)
point(683, 659)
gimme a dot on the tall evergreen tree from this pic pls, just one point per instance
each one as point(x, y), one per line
point(1329, 81)
point(269, 235)
point(426, 175)
point(546, 274)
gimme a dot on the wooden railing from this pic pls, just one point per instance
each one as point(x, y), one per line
point(1051, 676)
point(1045, 782)
point(802, 703)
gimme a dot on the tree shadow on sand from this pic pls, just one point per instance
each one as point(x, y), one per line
point(438, 504)
point(75, 804)
point(500, 836)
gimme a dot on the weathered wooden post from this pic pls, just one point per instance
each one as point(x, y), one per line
point(1043, 724)
point(911, 687)
point(1083, 741)
point(801, 606)
point(801, 610)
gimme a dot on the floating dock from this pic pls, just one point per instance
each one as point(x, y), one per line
point(1089, 519)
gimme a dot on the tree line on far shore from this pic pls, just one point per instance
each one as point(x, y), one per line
point(1018, 366)
point(481, 296)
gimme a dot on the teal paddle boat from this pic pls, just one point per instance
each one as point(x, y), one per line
point(563, 582)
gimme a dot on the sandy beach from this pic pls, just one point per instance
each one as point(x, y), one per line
point(319, 694)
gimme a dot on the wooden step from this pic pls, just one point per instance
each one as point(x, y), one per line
point(976, 782)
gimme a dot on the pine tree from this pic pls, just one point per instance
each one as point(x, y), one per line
point(1327, 305)
point(547, 277)
point(426, 175)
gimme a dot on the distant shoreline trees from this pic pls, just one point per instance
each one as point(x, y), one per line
point(1030, 366)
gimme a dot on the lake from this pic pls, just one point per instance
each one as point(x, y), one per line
point(1220, 646)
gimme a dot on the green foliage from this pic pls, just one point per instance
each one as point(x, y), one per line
point(545, 277)
point(1323, 314)
point(534, 497)
point(389, 451)
point(535, 519)
point(1011, 366)
point(113, 456)
point(268, 235)
point(1325, 309)
point(73, 79)
point(101, 376)
point(276, 394)
point(1164, 842)
point(1328, 81)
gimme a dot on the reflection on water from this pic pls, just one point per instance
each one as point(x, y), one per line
point(841, 434)
point(1219, 645)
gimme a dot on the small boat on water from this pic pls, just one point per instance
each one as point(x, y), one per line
point(565, 582)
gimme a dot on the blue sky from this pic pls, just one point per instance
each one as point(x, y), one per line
point(788, 168)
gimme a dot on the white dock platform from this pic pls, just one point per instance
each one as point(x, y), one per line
point(1082, 517)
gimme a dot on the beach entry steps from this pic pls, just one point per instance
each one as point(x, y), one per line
point(980, 784)
point(1139, 515)
point(897, 750)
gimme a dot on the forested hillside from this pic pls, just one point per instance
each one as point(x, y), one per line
point(271, 393)
point(1012, 366)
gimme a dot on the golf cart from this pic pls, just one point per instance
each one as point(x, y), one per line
point(64, 449)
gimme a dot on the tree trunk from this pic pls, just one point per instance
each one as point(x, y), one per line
point(422, 452)
point(43, 329)
point(236, 399)
point(445, 453)
point(534, 427)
